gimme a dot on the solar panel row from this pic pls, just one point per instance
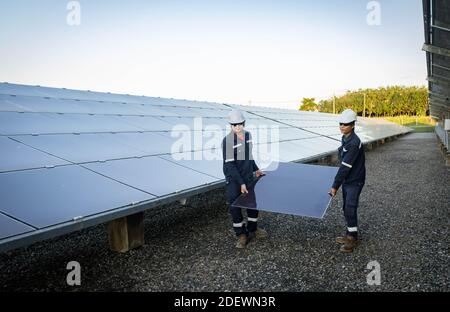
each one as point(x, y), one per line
point(68, 154)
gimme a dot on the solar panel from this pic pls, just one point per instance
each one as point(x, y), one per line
point(180, 122)
point(277, 151)
point(208, 162)
point(318, 144)
point(10, 227)
point(45, 197)
point(146, 143)
point(206, 112)
point(146, 123)
point(16, 89)
point(295, 189)
point(23, 123)
point(71, 123)
point(152, 174)
point(40, 104)
point(152, 110)
point(113, 108)
point(324, 130)
point(294, 134)
point(12, 123)
point(198, 104)
point(16, 156)
point(83, 147)
point(209, 123)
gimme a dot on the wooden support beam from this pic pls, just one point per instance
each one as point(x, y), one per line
point(126, 233)
point(369, 146)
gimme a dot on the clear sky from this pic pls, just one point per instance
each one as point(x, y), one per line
point(267, 52)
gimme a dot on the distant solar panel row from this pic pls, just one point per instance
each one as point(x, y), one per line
point(68, 155)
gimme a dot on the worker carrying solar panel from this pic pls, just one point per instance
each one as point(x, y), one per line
point(239, 169)
point(351, 175)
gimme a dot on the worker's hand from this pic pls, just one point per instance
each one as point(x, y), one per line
point(244, 189)
point(259, 173)
point(332, 192)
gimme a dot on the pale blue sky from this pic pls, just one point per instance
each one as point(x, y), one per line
point(225, 51)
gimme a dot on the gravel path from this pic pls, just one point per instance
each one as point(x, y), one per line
point(404, 225)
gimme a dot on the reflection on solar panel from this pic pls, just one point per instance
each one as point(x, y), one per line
point(71, 158)
point(296, 189)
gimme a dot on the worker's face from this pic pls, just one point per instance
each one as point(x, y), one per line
point(346, 129)
point(237, 128)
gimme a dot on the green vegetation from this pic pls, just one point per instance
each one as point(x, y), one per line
point(309, 105)
point(406, 106)
point(418, 123)
point(381, 102)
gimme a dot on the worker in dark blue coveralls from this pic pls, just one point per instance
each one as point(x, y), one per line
point(351, 175)
point(239, 169)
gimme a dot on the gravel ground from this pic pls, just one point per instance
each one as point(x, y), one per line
point(403, 221)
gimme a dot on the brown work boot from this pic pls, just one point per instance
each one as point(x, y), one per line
point(343, 239)
point(242, 241)
point(350, 244)
point(258, 234)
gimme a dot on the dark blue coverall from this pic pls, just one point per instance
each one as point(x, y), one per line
point(238, 168)
point(351, 175)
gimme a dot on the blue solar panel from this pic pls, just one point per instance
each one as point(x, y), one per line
point(296, 189)
point(206, 161)
point(147, 123)
point(152, 174)
point(10, 227)
point(45, 197)
point(294, 134)
point(73, 123)
point(40, 104)
point(153, 110)
point(206, 112)
point(9, 88)
point(12, 123)
point(23, 123)
point(146, 143)
point(16, 156)
point(83, 147)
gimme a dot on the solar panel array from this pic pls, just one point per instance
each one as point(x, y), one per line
point(67, 155)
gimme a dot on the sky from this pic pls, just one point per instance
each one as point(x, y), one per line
point(270, 53)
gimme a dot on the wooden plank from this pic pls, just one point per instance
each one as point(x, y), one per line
point(118, 235)
point(126, 233)
point(135, 230)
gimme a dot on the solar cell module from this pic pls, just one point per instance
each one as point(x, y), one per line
point(296, 189)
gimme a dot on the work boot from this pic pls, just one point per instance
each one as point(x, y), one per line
point(343, 239)
point(242, 241)
point(351, 244)
point(258, 234)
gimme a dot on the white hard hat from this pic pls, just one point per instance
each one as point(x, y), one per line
point(236, 117)
point(347, 116)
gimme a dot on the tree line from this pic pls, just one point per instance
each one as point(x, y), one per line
point(380, 102)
